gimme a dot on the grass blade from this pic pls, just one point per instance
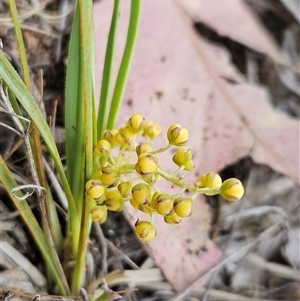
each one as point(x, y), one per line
point(108, 69)
point(125, 64)
point(21, 46)
point(17, 86)
point(25, 211)
point(74, 116)
point(87, 52)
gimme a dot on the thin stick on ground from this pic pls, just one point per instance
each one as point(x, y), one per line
point(267, 233)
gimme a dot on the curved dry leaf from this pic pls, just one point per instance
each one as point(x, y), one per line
point(179, 77)
point(235, 20)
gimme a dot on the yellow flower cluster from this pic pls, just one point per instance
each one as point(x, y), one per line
point(120, 159)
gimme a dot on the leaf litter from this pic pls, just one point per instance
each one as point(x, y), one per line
point(181, 76)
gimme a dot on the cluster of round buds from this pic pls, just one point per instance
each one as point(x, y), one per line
point(120, 158)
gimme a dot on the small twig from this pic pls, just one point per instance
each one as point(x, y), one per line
point(56, 185)
point(84, 294)
point(131, 263)
point(267, 233)
point(27, 194)
point(222, 295)
point(37, 297)
point(11, 129)
point(276, 268)
point(103, 244)
point(7, 295)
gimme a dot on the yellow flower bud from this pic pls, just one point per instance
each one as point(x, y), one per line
point(103, 147)
point(211, 181)
point(125, 137)
point(183, 206)
point(163, 203)
point(146, 209)
point(125, 189)
point(114, 200)
point(94, 189)
point(177, 135)
point(145, 230)
point(110, 136)
point(141, 193)
point(134, 204)
point(147, 164)
point(99, 214)
point(97, 174)
point(109, 177)
point(232, 189)
point(172, 219)
point(183, 157)
point(143, 148)
point(136, 122)
point(152, 130)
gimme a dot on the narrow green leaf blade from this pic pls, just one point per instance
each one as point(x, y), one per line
point(108, 69)
point(125, 64)
point(23, 208)
point(17, 86)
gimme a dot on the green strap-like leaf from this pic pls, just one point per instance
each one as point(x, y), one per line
point(86, 82)
point(17, 86)
point(125, 64)
point(108, 69)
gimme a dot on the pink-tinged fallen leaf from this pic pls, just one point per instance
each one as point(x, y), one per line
point(179, 77)
point(235, 20)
